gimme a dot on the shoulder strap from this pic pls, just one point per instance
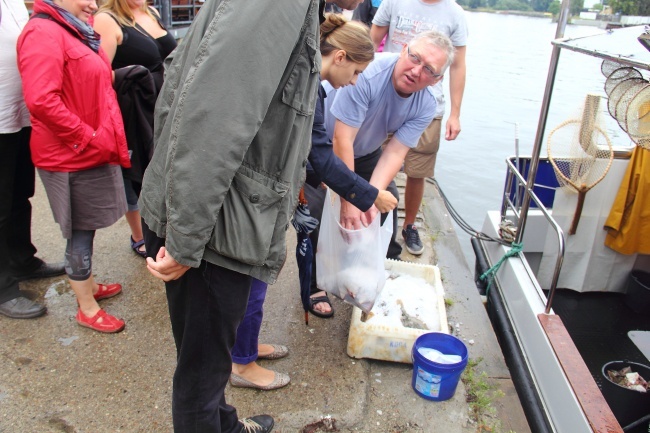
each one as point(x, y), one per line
point(156, 15)
point(114, 19)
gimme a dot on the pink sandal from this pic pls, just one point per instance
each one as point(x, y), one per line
point(108, 324)
point(107, 291)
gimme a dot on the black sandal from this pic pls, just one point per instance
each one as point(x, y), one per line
point(316, 300)
point(135, 246)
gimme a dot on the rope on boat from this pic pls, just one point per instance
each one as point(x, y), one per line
point(516, 249)
point(506, 230)
point(462, 223)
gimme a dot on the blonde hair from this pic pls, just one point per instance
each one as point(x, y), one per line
point(120, 10)
point(337, 33)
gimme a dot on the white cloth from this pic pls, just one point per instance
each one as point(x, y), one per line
point(588, 266)
point(13, 112)
point(407, 18)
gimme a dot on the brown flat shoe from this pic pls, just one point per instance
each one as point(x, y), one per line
point(279, 351)
point(279, 381)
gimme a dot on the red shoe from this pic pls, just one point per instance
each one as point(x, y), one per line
point(109, 324)
point(107, 291)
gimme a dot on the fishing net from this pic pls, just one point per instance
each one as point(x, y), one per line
point(619, 75)
point(609, 66)
point(637, 118)
point(620, 112)
point(619, 90)
point(628, 101)
point(581, 153)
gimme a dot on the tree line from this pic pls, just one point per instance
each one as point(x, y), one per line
point(623, 7)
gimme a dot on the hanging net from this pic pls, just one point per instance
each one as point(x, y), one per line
point(637, 118)
point(581, 153)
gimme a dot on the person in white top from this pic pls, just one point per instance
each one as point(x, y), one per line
point(402, 20)
point(17, 253)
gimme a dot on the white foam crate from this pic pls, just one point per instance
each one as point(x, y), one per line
point(392, 343)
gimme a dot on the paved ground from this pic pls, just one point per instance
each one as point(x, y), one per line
point(58, 377)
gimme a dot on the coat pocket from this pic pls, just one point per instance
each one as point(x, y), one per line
point(247, 219)
point(77, 59)
point(302, 86)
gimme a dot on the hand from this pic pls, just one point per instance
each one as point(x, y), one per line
point(368, 216)
point(452, 128)
point(350, 217)
point(165, 267)
point(385, 201)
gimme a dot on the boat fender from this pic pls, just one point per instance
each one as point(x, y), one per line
point(480, 267)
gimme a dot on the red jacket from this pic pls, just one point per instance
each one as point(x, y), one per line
point(76, 121)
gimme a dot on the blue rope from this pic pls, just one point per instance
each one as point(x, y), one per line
point(516, 249)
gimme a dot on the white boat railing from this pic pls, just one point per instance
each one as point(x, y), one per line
point(529, 183)
point(507, 203)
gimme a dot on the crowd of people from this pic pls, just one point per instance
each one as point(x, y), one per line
point(205, 149)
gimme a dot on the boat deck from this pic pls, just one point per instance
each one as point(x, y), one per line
point(599, 324)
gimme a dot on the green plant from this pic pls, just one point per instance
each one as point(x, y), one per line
point(480, 395)
point(449, 302)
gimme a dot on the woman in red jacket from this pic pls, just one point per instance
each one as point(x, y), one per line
point(78, 142)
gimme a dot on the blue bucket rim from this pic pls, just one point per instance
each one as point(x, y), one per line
point(437, 364)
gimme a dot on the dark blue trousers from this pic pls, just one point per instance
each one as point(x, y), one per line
point(248, 333)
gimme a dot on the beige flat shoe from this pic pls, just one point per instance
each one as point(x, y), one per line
point(279, 381)
point(279, 351)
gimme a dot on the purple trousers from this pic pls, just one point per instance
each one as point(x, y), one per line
point(245, 349)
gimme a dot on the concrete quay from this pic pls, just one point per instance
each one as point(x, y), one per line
point(56, 376)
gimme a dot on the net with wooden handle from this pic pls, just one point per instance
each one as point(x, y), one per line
point(580, 153)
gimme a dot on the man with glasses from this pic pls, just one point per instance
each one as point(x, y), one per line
point(402, 20)
point(391, 97)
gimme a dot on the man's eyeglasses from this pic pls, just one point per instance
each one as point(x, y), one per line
point(417, 61)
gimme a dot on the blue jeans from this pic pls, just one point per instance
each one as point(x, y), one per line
point(245, 349)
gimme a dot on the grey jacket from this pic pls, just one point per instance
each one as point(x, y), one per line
point(232, 134)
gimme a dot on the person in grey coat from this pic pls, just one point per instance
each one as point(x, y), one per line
point(232, 132)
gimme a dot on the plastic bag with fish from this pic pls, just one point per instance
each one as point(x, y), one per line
point(350, 263)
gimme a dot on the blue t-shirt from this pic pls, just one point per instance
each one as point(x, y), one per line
point(373, 106)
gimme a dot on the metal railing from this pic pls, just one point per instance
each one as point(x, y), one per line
point(178, 13)
point(534, 163)
point(525, 190)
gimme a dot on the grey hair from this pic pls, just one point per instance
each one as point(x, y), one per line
point(438, 40)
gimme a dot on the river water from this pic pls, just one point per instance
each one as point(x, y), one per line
point(508, 58)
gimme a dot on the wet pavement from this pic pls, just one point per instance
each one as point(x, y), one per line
point(56, 376)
